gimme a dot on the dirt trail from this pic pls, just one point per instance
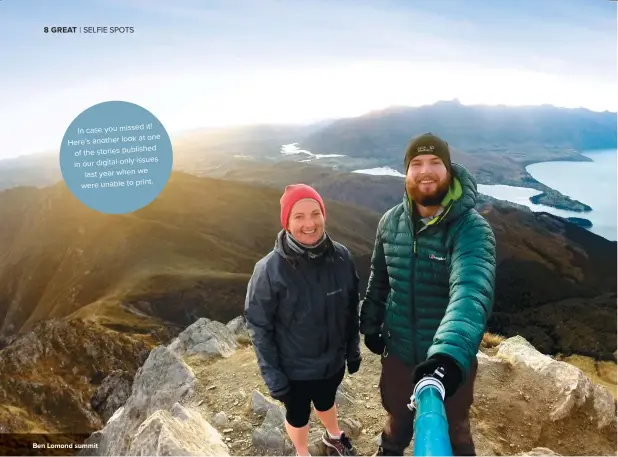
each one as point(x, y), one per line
point(505, 416)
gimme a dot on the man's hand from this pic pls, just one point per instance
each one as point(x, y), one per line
point(353, 365)
point(375, 343)
point(443, 368)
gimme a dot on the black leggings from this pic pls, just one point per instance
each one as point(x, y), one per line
point(321, 392)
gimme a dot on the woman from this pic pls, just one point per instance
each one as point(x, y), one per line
point(302, 314)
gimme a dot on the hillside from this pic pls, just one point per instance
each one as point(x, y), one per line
point(49, 375)
point(377, 193)
point(188, 254)
point(40, 169)
point(555, 283)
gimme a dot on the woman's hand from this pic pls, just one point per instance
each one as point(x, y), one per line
point(283, 397)
point(353, 366)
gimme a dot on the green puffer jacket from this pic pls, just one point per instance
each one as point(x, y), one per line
point(432, 292)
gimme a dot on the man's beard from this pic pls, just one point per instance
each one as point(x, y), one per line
point(433, 199)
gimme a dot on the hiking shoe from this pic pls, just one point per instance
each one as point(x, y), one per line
point(341, 445)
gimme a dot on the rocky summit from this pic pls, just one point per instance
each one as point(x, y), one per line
point(202, 394)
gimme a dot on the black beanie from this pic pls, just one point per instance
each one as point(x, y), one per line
point(428, 143)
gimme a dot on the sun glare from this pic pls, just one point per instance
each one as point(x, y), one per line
point(199, 97)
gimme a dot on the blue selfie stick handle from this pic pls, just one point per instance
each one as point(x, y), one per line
point(430, 424)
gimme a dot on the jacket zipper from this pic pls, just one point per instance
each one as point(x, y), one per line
point(411, 226)
point(418, 357)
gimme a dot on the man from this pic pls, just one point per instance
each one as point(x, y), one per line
point(430, 292)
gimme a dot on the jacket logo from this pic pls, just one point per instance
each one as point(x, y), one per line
point(333, 292)
point(435, 257)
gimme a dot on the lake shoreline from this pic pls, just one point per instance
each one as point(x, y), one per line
point(554, 198)
point(548, 196)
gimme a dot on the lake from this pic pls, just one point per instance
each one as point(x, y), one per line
point(593, 183)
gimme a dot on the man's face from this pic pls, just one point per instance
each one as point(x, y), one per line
point(427, 180)
point(306, 221)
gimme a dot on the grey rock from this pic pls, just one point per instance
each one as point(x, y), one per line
point(275, 417)
point(205, 338)
point(566, 386)
point(260, 404)
point(220, 419)
point(316, 445)
point(179, 432)
point(271, 441)
point(112, 393)
point(91, 445)
point(160, 383)
point(238, 327)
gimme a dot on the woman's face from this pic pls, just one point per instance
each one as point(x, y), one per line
point(306, 221)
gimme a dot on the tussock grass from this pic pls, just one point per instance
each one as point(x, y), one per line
point(491, 340)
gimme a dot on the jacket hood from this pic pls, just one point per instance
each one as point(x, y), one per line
point(279, 242)
point(460, 198)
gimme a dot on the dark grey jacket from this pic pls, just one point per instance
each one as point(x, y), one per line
point(303, 314)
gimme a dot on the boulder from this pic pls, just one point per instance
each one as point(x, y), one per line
point(238, 327)
point(112, 393)
point(159, 384)
point(260, 404)
point(180, 431)
point(205, 338)
point(524, 400)
point(572, 389)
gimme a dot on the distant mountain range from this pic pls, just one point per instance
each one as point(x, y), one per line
point(493, 142)
point(519, 132)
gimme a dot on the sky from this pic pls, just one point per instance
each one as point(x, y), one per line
point(199, 63)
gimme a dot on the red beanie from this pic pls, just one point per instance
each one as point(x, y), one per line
point(294, 193)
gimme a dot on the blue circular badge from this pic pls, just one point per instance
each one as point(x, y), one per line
point(116, 157)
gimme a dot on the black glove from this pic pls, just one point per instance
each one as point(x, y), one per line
point(443, 368)
point(283, 397)
point(375, 343)
point(353, 365)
